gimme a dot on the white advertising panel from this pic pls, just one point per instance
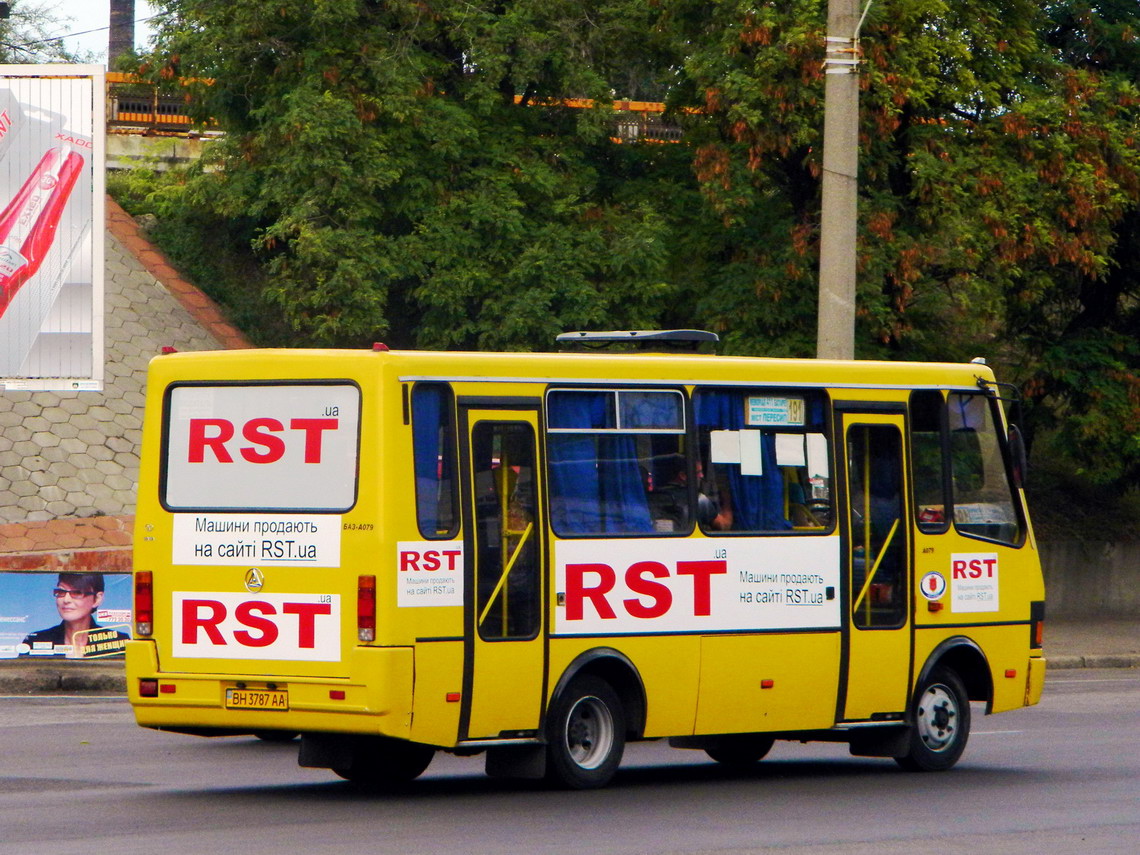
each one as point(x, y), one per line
point(52, 138)
point(262, 446)
point(210, 625)
point(652, 585)
point(429, 573)
point(974, 582)
point(268, 540)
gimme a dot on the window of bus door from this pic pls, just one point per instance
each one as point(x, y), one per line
point(878, 526)
point(506, 531)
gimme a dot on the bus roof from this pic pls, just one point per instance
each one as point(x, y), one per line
point(571, 367)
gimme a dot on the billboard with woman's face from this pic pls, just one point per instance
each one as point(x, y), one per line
point(64, 615)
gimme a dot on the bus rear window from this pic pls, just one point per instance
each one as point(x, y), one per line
point(261, 446)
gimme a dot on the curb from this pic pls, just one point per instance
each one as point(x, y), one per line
point(1102, 660)
point(47, 680)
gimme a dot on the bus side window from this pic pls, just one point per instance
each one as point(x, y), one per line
point(434, 444)
point(612, 456)
point(764, 463)
point(927, 409)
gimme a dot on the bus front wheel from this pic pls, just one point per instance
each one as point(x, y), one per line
point(940, 723)
point(385, 763)
point(585, 735)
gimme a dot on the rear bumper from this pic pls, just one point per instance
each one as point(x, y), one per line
point(1035, 680)
point(375, 699)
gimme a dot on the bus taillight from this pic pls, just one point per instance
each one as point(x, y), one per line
point(366, 609)
point(1036, 624)
point(144, 603)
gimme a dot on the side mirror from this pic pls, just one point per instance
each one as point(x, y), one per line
point(1019, 458)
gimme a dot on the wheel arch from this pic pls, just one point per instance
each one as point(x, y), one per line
point(965, 658)
point(615, 668)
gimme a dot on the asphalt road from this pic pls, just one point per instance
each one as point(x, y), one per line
point(76, 775)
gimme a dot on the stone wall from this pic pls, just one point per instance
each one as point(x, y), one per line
point(1091, 579)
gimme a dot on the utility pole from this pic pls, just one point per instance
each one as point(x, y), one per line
point(835, 337)
point(121, 35)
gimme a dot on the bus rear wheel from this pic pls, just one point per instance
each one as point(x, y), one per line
point(740, 751)
point(585, 735)
point(386, 763)
point(940, 723)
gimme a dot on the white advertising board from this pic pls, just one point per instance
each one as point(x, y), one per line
point(227, 625)
point(52, 142)
point(652, 585)
point(270, 447)
point(268, 540)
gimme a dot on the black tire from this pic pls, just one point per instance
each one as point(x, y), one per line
point(940, 723)
point(585, 734)
point(386, 763)
point(740, 751)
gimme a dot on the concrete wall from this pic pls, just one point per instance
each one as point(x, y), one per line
point(1091, 579)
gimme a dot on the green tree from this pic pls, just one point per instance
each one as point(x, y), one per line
point(998, 190)
point(411, 171)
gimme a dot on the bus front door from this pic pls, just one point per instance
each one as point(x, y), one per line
point(504, 643)
point(877, 560)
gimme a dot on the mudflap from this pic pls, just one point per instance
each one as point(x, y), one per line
point(516, 761)
point(881, 742)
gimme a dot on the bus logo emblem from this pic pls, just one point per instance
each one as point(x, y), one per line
point(254, 580)
point(933, 585)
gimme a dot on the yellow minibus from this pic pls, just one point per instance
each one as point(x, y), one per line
point(539, 557)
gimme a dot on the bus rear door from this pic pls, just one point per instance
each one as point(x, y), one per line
point(504, 642)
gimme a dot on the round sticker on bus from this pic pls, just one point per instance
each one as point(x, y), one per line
point(933, 585)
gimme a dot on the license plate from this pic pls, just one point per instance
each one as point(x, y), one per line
point(257, 699)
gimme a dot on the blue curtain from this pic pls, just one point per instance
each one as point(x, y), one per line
point(430, 412)
point(596, 484)
point(757, 500)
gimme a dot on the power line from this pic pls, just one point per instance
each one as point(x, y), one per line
point(80, 33)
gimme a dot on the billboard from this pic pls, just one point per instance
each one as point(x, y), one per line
point(52, 143)
point(64, 615)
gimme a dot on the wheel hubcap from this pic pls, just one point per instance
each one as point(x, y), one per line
point(938, 718)
point(589, 733)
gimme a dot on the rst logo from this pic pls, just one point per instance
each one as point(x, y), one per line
point(273, 446)
point(262, 440)
point(593, 584)
point(256, 626)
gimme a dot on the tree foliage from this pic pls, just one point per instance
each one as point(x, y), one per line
point(31, 34)
point(999, 192)
point(414, 170)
